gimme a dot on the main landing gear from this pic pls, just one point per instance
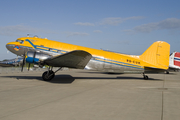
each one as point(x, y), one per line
point(49, 75)
point(145, 76)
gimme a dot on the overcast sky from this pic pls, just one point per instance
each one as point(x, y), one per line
point(126, 26)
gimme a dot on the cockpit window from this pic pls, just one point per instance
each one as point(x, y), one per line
point(20, 41)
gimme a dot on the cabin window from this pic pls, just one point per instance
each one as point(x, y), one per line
point(58, 51)
point(50, 49)
point(93, 58)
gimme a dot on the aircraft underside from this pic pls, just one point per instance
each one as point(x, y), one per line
point(112, 68)
point(97, 66)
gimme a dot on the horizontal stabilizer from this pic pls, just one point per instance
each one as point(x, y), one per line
point(153, 70)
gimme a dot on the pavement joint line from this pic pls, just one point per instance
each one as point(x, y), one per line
point(162, 113)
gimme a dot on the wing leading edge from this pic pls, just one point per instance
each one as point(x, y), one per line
point(74, 59)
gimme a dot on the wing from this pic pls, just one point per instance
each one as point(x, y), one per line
point(6, 65)
point(74, 59)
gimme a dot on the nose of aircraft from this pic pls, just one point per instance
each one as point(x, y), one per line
point(9, 46)
point(16, 48)
point(12, 47)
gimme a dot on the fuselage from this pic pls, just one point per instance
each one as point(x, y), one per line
point(102, 60)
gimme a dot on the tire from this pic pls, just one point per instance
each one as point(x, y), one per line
point(48, 78)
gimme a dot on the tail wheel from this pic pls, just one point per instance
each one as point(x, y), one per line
point(47, 76)
point(145, 77)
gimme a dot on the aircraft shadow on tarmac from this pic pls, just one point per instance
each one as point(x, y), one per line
point(68, 79)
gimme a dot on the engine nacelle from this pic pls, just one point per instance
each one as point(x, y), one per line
point(36, 57)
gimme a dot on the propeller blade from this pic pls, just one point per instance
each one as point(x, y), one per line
point(24, 58)
point(29, 66)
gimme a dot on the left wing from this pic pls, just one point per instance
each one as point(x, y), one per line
point(74, 59)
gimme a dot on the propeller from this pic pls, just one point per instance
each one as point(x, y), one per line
point(24, 60)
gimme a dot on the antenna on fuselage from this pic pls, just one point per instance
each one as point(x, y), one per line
point(27, 35)
point(35, 36)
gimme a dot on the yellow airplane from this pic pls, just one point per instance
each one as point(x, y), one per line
point(42, 51)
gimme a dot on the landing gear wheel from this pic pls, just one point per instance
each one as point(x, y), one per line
point(145, 77)
point(47, 76)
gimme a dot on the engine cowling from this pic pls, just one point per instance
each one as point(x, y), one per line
point(36, 57)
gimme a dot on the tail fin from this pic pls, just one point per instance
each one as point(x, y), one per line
point(174, 60)
point(177, 59)
point(157, 55)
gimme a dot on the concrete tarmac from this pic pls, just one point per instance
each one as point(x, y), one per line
point(89, 95)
